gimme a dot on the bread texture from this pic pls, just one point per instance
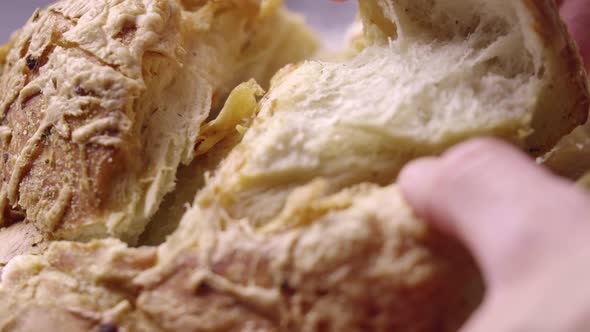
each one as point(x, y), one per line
point(20, 238)
point(433, 73)
point(298, 224)
point(415, 88)
point(102, 101)
point(571, 156)
point(217, 138)
point(356, 261)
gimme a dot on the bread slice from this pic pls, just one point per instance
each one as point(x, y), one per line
point(100, 102)
point(433, 73)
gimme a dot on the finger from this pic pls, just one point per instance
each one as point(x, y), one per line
point(492, 198)
point(576, 14)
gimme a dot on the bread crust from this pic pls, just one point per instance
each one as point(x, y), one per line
point(67, 108)
point(102, 102)
point(327, 256)
point(566, 98)
point(357, 261)
point(19, 239)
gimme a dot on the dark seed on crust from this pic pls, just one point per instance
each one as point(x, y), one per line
point(45, 136)
point(108, 327)
point(203, 289)
point(286, 289)
point(80, 91)
point(31, 62)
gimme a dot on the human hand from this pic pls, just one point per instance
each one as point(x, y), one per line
point(528, 230)
point(576, 14)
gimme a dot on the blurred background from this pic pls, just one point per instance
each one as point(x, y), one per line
point(329, 17)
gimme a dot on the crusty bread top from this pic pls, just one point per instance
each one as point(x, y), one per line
point(571, 156)
point(101, 101)
point(354, 261)
point(67, 104)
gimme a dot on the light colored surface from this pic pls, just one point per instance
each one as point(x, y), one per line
point(415, 95)
point(175, 69)
point(15, 13)
point(332, 17)
point(328, 254)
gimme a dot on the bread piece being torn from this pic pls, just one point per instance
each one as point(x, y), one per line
point(432, 73)
point(300, 228)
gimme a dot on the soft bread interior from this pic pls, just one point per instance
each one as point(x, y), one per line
point(287, 234)
point(224, 54)
point(217, 138)
point(285, 39)
point(433, 73)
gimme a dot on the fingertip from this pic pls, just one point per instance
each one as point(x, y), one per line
point(415, 182)
point(478, 146)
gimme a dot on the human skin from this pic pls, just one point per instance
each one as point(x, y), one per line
point(576, 13)
point(528, 230)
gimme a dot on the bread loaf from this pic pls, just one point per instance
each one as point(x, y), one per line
point(299, 225)
point(102, 101)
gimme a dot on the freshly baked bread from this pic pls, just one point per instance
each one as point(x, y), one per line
point(217, 138)
point(433, 73)
point(20, 238)
point(415, 88)
point(571, 156)
point(101, 101)
point(299, 227)
point(356, 261)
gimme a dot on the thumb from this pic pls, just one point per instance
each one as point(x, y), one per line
point(495, 200)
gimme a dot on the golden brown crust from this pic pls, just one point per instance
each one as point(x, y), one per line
point(353, 260)
point(571, 156)
point(102, 101)
point(66, 109)
point(359, 268)
point(71, 284)
point(566, 98)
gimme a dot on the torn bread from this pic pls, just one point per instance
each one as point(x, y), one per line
point(100, 102)
point(433, 73)
point(424, 79)
point(299, 227)
point(355, 261)
point(571, 156)
point(216, 139)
